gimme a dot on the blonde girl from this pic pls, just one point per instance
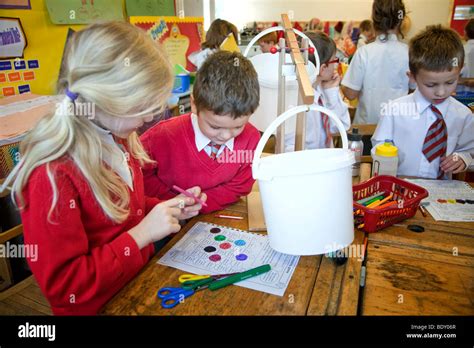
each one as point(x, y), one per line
point(79, 184)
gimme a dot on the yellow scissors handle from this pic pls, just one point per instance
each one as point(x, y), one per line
point(188, 277)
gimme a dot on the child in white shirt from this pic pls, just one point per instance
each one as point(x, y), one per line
point(434, 132)
point(319, 126)
point(215, 36)
point(378, 70)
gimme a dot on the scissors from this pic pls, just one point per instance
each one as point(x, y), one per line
point(171, 297)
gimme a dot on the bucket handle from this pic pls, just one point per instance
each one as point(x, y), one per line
point(287, 115)
point(278, 28)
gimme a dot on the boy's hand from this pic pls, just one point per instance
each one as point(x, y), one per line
point(334, 82)
point(191, 208)
point(453, 163)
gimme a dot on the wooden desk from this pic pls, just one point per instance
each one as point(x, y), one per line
point(318, 285)
point(420, 267)
point(139, 297)
point(428, 273)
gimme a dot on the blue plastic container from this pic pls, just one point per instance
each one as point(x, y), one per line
point(181, 83)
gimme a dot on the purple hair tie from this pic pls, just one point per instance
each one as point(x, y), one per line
point(73, 96)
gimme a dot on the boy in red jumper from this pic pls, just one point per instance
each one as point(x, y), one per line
point(213, 146)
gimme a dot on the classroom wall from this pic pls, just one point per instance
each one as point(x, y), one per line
point(423, 12)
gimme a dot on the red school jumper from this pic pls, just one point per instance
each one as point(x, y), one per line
point(83, 257)
point(172, 145)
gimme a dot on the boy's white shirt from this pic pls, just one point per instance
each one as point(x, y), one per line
point(378, 70)
point(116, 160)
point(408, 132)
point(315, 132)
point(202, 141)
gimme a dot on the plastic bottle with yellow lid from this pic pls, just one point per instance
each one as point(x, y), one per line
point(385, 159)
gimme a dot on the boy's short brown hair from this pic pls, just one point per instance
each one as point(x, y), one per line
point(436, 49)
point(227, 84)
point(325, 46)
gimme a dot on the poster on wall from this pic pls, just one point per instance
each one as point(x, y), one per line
point(15, 4)
point(179, 36)
point(83, 11)
point(12, 38)
point(461, 12)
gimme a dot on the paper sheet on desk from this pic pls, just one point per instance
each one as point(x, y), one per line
point(231, 245)
point(448, 189)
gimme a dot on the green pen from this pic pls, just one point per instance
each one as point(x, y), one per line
point(379, 197)
point(239, 277)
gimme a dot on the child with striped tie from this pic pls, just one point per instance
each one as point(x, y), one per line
point(326, 93)
point(434, 132)
point(211, 147)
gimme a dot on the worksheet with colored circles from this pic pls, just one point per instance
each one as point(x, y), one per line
point(449, 200)
point(212, 249)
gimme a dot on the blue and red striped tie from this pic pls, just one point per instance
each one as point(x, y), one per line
point(435, 144)
point(214, 150)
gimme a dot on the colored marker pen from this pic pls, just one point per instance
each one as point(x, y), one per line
point(190, 195)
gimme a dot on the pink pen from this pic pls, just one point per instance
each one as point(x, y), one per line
point(190, 195)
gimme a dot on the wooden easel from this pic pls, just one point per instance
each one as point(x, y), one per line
point(305, 89)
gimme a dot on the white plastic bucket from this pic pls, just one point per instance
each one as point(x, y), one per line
point(266, 65)
point(306, 195)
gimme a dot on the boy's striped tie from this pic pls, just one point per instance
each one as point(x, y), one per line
point(326, 125)
point(436, 139)
point(214, 150)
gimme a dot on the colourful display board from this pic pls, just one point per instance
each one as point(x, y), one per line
point(179, 36)
point(37, 71)
point(461, 11)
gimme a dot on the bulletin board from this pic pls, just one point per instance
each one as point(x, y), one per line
point(461, 11)
point(37, 71)
point(179, 36)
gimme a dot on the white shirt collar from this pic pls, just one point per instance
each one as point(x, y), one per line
point(201, 140)
point(422, 103)
point(117, 161)
point(391, 37)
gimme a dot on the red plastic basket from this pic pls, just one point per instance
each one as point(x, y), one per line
point(409, 195)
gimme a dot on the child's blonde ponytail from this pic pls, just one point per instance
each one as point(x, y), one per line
point(118, 69)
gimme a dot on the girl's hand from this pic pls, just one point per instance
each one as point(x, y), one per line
point(161, 221)
point(192, 207)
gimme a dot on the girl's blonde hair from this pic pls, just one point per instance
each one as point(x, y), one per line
point(120, 70)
